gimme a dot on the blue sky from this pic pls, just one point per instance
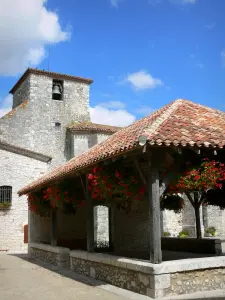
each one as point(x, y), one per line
point(141, 54)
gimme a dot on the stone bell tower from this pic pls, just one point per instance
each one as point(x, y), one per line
point(44, 104)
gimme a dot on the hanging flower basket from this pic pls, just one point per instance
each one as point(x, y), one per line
point(116, 183)
point(172, 202)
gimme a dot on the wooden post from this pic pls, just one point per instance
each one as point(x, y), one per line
point(111, 227)
point(154, 217)
point(90, 220)
point(54, 227)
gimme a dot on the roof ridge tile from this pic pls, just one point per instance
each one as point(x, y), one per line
point(155, 126)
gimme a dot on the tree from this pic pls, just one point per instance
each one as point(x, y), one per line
point(200, 184)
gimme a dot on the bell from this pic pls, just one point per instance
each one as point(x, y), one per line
point(56, 90)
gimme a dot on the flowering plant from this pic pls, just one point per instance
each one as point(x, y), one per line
point(209, 175)
point(200, 184)
point(116, 182)
point(57, 196)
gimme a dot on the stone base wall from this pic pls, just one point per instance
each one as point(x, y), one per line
point(190, 282)
point(58, 256)
point(156, 281)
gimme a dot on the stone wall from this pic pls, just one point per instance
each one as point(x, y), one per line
point(22, 93)
point(33, 125)
point(71, 229)
point(172, 222)
point(214, 217)
point(57, 256)
point(131, 231)
point(81, 142)
point(202, 280)
point(40, 229)
point(156, 281)
point(16, 171)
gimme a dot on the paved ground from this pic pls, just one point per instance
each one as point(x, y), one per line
point(21, 279)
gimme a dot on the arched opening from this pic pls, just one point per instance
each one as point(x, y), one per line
point(101, 228)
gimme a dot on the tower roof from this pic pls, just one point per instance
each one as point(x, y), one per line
point(49, 74)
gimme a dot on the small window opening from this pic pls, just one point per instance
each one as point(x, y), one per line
point(57, 126)
point(57, 89)
point(5, 195)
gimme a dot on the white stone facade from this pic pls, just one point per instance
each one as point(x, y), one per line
point(16, 170)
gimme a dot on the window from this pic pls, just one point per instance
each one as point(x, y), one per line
point(57, 89)
point(5, 195)
point(57, 126)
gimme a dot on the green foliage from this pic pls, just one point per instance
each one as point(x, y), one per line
point(183, 234)
point(5, 205)
point(211, 231)
point(166, 233)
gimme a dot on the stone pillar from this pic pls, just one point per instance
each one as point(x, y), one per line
point(154, 217)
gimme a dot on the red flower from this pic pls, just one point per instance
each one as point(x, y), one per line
point(197, 177)
point(117, 174)
point(90, 176)
point(142, 190)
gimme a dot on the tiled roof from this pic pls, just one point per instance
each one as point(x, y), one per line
point(49, 74)
point(92, 127)
point(12, 112)
point(180, 123)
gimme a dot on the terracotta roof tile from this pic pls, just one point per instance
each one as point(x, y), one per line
point(181, 122)
point(14, 110)
point(93, 127)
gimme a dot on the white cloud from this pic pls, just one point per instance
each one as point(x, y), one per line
point(115, 117)
point(145, 110)
point(115, 3)
point(26, 27)
point(223, 57)
point(5, 105)
point(143, 80)
point(113, 105)
point(182, 2)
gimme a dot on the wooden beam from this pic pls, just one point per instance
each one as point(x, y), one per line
point(141, 174)
point(53, 227)
point(154, 217)
point(90, 219)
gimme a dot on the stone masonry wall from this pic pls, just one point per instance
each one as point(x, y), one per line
point(215, 217)
point(71, 229)
point(172, 222)
point(22, 93)
point(131, 232)
point(16, 171)
point(156, 281)
point(33, 127)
